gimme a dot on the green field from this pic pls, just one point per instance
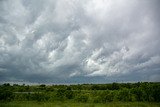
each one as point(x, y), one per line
point(72, 104)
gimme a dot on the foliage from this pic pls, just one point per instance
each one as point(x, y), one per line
point(73, 104)
point(96, 93)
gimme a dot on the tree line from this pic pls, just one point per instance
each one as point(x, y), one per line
point(97, 93)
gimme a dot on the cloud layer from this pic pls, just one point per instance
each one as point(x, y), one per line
point(79, 41)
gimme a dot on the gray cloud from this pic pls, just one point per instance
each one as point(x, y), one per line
point(78, 41)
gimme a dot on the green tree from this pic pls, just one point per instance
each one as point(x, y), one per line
point(6, 95)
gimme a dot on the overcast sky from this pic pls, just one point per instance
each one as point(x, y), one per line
point(79, 41)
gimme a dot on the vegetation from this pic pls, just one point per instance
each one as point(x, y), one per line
point(100, 94)
point(73, 104)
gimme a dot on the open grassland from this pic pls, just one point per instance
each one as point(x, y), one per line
point(72, 104)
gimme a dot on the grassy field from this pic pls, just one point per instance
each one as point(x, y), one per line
point(72, 104)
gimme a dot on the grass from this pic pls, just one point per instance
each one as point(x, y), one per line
point(72, 104)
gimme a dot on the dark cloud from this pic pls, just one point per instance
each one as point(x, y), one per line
point(79, 41)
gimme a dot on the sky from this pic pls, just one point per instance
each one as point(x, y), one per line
point(79, 41)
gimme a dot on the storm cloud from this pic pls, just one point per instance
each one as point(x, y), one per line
point(79, 41)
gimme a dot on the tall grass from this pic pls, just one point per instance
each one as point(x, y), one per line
point(72, 104)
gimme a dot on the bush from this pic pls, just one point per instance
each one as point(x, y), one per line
point(82, 98)
point(6, 95)
point(124, 95)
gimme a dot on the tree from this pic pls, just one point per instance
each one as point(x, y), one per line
point(6, 95)
point(115, 86)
